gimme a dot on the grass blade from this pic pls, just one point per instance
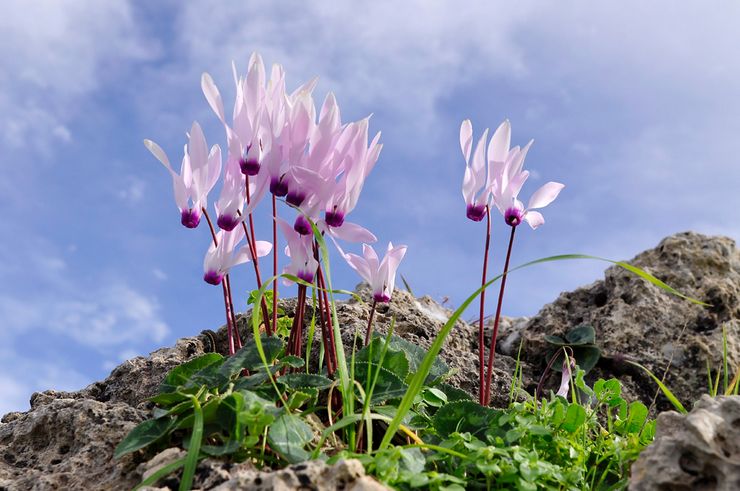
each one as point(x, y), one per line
point(666, 391)
point(191, 460)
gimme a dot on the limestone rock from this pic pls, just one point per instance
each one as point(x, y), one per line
point(636, 320)
point(698, 451)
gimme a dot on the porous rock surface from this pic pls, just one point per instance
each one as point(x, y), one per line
point(638, 321)
point(697, 451)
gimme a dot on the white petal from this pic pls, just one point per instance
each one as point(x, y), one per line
point(498, 149)
point(212, 96)
point(545, 195)
point(466, 138)
point(351, 232)
point(534, 219)
point(158, 153)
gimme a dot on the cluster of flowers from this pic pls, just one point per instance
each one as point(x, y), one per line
point(278, 142)
point(494, 176)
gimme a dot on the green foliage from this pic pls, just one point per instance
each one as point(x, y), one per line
point(582, 341)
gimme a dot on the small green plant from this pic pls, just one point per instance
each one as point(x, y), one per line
point(582, 343)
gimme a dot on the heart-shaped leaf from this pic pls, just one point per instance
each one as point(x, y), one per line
point(288, 435)
point(248, 357)
point(387, 386)
point(145, 433)
point(463, 416)
point(394, 360)
point(181, 374)
point(583, 334)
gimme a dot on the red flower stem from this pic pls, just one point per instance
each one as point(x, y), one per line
point(297, 328)
point(492, 348)
point(274, 261)
point(227, 279)
point(251, 238)
point(370, 323)
point(330, 323)
point(229, 331)
point(325, 334)
point(481, 340)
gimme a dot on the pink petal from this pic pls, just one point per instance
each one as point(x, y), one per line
point(212, 96)
point(498, 149)
point(534, 219)
point(466, 138)
point(351, 232)
point(545, 195)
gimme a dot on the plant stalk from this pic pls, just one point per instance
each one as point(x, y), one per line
point(481, 338)
point(370, 323)
point(492, 348)
point(229, 331)
point(274, 261)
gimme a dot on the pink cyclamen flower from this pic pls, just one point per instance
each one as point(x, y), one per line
point(381, 275)
point(477, 185)
point(565, 378)
point(198, 174)
point(224, 256)
point(300, 250)
point(231, 201)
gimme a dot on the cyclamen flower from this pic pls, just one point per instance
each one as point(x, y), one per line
point(224, 256)
point(198, 174)
point(477, 186)
point(381, 275)
point(506, 192)
point(232, 197)
point(300, 250)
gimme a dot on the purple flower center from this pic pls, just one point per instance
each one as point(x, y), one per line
point(476, 212)
point(513, 216)
point(381, 297)
point(190, 218)
point(306, 276)
point(334, 218)
point(295, 198)
point(249, 166)
point(213, 277)
point(227, 222)
point(278, 187)
point(302, 226)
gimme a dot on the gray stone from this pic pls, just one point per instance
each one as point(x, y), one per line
point(698, 451)
point(638, 321)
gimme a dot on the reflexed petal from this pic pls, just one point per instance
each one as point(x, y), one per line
point(212, 96)
point(360, 265)
point(534, 219)
point(263, 248)
point(479, 162)
point(214, 168)
point(498, 149)
point(466, 138)
point(545, 195)
point(158, 153)
point(516, 184)
point(197, 147)
point(351, 232)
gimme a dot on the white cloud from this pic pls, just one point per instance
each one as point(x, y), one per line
point(54, 54)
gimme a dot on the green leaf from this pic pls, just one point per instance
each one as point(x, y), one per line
point(415, 355)
point(556, 340)
point(434, 397)
point(463, 417)
point(142, 435)
point(227, 414)
point(209, 376)
point(637, 415)
point(300, 397)
point(453, 393)
point(586, 356)
point(191, 459)
point(388, 385)
point(288, 435)
point(292, 361)
point(666, 391)
point(248, 357)
point(575, 416)
point(181, 374)
point(394, 360)
point(168, 398)
point(305, 380)
point(230, 447)
point(583, 334)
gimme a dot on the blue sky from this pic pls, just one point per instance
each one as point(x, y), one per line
point(634, 106)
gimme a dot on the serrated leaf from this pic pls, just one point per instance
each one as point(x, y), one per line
point(463, 417)
point(394, 360)
point(305, 380)
point(288, 435)
point(453, 393)
point(248, 357)
point(181, 374)
point(142, 435)
point(387, 386)
point(293, 361)
point(415, 355)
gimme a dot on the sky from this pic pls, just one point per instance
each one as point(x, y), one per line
point(634, 106)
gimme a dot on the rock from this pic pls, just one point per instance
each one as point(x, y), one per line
point(68, 444)
point(698, 451)
point(348, 475)
point(636, 320)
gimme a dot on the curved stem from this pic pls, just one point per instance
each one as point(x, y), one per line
point(492, 348)
point(274, 261)
point(227, 279)
point(229, 327)
point(327, 307)
point(481, 338)
point(369, 331)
